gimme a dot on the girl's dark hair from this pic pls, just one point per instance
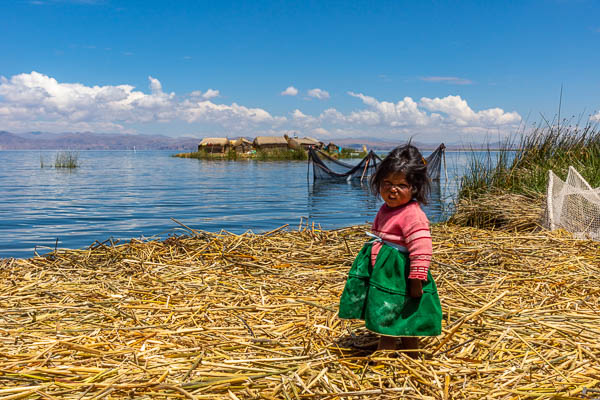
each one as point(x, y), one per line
point(406, 159)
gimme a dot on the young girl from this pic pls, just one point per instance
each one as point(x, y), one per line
point(389, 285)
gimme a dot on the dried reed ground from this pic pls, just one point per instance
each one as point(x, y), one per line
point(225, 316)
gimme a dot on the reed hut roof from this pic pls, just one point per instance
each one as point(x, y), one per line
point(240, 141)
point(306, 141)
point(266, 140)
point(214, 142)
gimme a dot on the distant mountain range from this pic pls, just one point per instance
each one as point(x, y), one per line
point(92, 141)
point(106, 141)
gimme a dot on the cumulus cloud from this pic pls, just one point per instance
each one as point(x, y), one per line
point(209, 94)
point(595, 117)
point(318, 94)
point(290, 91)
point(232, 117)
point(321, 132)
point(458, 111)
point(34, 101)
point(438, 117)
point(447, 79)
point(301, 120)
point(448, 110)
point(403, 113)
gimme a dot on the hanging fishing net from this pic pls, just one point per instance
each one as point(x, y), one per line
point(434, 162)
point(327, 167)
point(573, 205)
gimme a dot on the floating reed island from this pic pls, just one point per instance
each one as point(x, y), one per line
point(254, 316)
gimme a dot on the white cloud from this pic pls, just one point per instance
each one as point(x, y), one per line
point(290, 91)
point(233, 116)
point(447, 79)
point(439, 118)
point(302, 120)
point(34, 101)
point(297, 114)
point(321, 132)
point(403, 113)
point(318, 93)
point(155, 85)
point(595, 117)
point(209, 94)
point(460, 113)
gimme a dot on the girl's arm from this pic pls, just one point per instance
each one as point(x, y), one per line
point(418, 242)
point(415, 287)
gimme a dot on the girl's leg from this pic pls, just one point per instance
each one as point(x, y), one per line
point(387, 343)
point(411, 343)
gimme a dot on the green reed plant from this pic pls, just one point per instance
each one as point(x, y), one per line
point(231, 155)
point(262, 155)
point(201, 155)
point(521, 166)
point(66, 159)
point(352, 153)
point(281, 154)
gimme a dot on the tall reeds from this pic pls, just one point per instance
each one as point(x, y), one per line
point(505, 189)
point(281, 154)
point(66, 159)
point(62, 159)
point(522, 167)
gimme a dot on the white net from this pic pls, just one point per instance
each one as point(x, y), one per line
point(573, 205)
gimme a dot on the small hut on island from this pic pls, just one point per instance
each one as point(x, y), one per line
point(267, 143)
point(304, 143)
point(332, 148)
point(214, 145)
point(241, 145)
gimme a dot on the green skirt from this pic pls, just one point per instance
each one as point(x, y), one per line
point(379, 296)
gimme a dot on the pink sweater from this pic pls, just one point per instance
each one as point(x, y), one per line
point(407, 226)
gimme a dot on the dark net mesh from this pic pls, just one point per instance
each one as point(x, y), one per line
point(326, 167)
point(434, 162)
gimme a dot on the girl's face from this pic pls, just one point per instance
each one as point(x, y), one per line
point(395, 190)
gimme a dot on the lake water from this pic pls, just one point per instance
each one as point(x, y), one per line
point(126, 194)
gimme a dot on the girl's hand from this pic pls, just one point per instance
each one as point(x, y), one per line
point(415, 288)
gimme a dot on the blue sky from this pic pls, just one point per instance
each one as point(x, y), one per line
point(435, 70)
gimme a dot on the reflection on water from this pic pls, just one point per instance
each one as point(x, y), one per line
point(125, 194)
point(341, 203)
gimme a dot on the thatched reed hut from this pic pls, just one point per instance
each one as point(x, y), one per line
point(270, 143)
point(214, 145)
point(304, 143)
point(241, 145)
point(332, 148)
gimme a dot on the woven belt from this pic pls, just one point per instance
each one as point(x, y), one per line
point(376, 238)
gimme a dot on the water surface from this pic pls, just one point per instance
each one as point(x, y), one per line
point(126, 194)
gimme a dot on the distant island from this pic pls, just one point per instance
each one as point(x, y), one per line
point(267, 148)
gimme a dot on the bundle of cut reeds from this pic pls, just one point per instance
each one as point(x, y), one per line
point(225, 316)
point(501, 210)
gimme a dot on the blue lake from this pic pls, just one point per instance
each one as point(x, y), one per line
point(126, 194)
